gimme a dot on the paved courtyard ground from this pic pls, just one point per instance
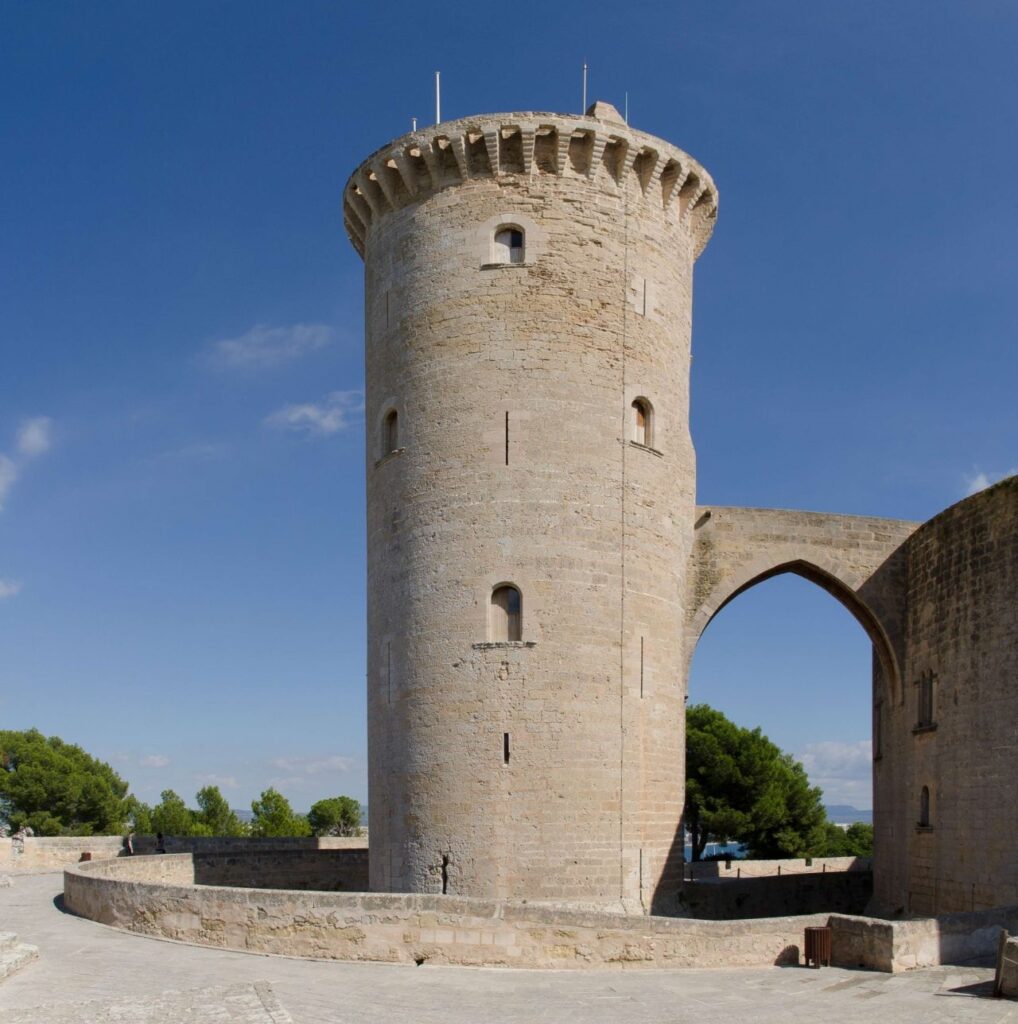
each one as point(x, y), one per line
point(87, 972)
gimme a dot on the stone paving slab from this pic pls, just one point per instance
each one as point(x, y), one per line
point(82, 962)
point(238, 1004)
point(14, 959)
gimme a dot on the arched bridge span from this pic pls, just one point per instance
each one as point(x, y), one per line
point(856, 559)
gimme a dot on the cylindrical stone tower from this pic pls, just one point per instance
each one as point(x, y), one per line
point(530, 503)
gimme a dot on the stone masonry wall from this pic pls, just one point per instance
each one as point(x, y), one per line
point(550, 767)
point(322, 870)
point(833, 892)
point(859, 560)
point(154, 896)
point(51, 853)
point(414, 928)
point(961, 641)
point(734, 869)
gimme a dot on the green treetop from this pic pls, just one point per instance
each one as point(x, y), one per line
point(171, 815)
point(335, 816)
point(56, 788)
point(740, 787)
point(215, 815)
point(273, 816)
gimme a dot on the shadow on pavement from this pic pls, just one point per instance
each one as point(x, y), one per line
point(977, 990)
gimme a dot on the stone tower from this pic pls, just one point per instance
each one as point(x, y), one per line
point(531, 509)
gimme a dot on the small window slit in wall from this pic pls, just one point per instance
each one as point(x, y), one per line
point(445, 874)
point(388, 668)
point(505, 748)
point(641, 666)
point(507, 437)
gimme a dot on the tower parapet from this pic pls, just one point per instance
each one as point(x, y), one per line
point(601, 148)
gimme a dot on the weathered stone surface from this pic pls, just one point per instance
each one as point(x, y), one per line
point(833, 892)
point(412, 928)
point(14, 954)
point(236, 1004)
point(960, 639)
point(859, 560)
point(83, 963)
point(517, 462)
point(47, 853)
point(134, 894)
point(1007, 968)
point(551, 767)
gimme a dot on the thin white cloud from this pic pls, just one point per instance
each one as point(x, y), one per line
point(223, 781)
point(199, 451)
point(339, 411)
point(34, 436)
point(842, 770)
point(8, 474)
point(9, 588)
point(31, 440)
point(298, 766)
point(154, 761)
point(290, 782)
point(979, 480)
point(264, 347)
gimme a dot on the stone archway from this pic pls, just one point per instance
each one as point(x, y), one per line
point(856, 559)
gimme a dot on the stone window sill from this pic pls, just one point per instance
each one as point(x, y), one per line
point(928, 727)
point(647, 448)
point(506, 266)
point(387, 458)
point(924, 828)
point(499, 645)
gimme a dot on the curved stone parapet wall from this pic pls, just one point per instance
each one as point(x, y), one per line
point(154, 896)
point(961, 648)
point(49, 853)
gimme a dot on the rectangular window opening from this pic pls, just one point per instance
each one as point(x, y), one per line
point(925, 709)
point(505, 748)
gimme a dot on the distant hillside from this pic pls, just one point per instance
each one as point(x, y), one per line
point(846, 814)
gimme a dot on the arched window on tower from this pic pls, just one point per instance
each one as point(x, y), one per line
point(505, 616)
point(509, 244)
point(643, 422)
point(390, 433)
point(924, 807)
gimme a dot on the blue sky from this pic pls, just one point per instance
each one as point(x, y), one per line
point(181, 533)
